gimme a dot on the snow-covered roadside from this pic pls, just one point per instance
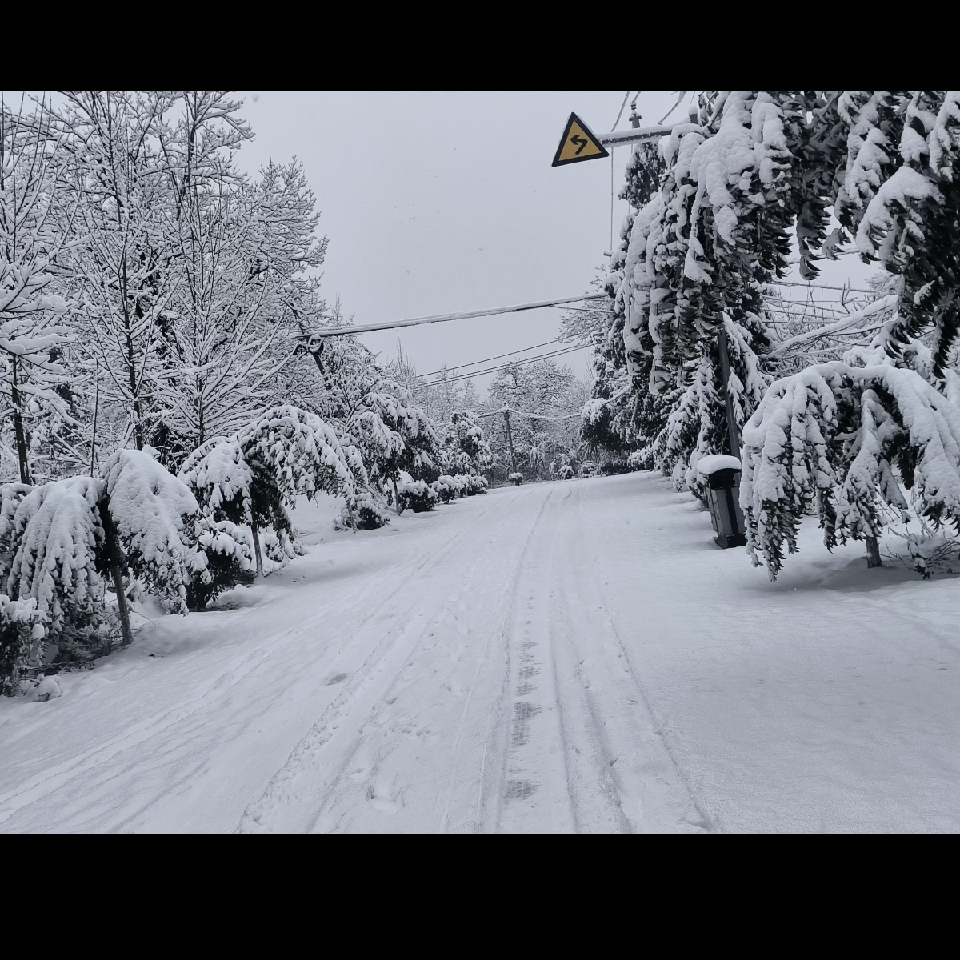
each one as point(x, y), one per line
point(566, 656)
point(826, 701)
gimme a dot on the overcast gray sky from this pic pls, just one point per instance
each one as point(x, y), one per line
point(439, 202)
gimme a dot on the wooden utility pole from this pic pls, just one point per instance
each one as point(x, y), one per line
point(732, 430)
point(513, 456)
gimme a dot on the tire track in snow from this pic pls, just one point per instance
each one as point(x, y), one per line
point(304, 787)
point(642, 784)
point(458, 800)
point(534, 792)
point(495, 734)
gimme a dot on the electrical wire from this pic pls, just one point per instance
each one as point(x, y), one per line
point(515, 363)
point(620, 114)
point(819, 286)
point(529, 416)
point(683, 93)
point(443, 318)
point(473, 363)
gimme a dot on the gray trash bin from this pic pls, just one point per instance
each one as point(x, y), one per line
point(723, 494)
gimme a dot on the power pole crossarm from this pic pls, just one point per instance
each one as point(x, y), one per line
point(632, 136)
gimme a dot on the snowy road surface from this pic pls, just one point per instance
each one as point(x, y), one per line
point(565, 657)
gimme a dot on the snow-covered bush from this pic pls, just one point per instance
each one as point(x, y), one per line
point(616, 465)
point(446, 488)
point(368, 510)
point(222, 549)
point(639, 460)
point(470, 484)
point(244, 486)
point(416, 495)
point(61, 541)
point(565, 472)
point(221, 557)
point(515, 478)
point(18, 621)
point(151, 511)
point(55, 553)
point(926, 549)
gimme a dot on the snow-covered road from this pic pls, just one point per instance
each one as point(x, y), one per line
point(566, 657)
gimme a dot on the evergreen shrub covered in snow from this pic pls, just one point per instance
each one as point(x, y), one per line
point(62, 542)
point(18, 620)
point(446, 488)
point(617, 465)
point(55, 554)
point(152, 512)
point(849, 438)
point(222, 554)
point(244, 486)
point(416, 495)
point(471, 484)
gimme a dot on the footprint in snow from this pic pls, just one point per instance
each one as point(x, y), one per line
point(385, 801)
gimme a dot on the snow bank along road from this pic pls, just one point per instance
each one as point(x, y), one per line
point(565, 657)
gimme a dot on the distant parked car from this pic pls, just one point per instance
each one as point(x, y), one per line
point(588, 469)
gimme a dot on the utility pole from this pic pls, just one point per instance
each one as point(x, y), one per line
point(506, 420)
point(732, 429)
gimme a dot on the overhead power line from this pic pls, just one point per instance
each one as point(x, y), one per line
point(819, 286)
point(473, 363)
point(626, 97)
point(442, 318)
point(502, 366)
point(530, 416)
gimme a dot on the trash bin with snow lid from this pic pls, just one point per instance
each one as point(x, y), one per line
point(723, 491)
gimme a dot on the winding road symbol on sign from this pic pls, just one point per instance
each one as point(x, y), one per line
point(578, 144)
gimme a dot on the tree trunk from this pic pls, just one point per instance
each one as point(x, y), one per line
point(18, 429)
point(256, 546)
point(396, 499)
point(116, 572)
point(873, 553)
point(93, 435)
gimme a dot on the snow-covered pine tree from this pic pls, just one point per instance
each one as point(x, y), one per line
point(54, 552)
point(756, 165)
point(18, 620)
point(908, 214)
point(848, 437)
point(291, 453)
point(466, 449)
point(375, 414)
point(221, 546)
point(244, 485)
point(610, 419)
point(59, 542)
point(151, 512)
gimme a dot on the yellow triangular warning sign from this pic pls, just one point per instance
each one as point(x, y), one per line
point(577, 144)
